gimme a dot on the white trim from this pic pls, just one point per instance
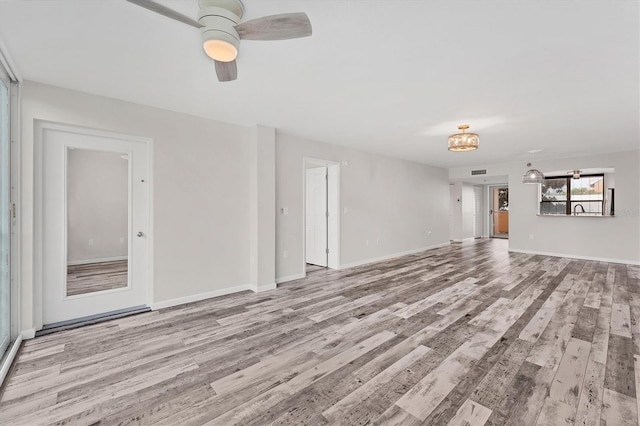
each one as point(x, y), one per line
point(7, 62)
point(264, 287)
point(465, 239)
point(150, 234)
point(576, 256)
point(8, 360)
point(16, 235)
point(210, 294)
point(291, 278)
point(101, 260)
point(200, 296)
point(28, 334)
point(392, 256)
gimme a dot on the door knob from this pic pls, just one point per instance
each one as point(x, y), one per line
point(140, 234)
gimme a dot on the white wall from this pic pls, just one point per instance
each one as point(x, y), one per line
point(201, 206)
point(607, 238)
point(463, 205)
point(382, 199)
point(97, 206)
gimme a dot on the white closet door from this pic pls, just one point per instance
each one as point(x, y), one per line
point(477, 212)
point(316, 216)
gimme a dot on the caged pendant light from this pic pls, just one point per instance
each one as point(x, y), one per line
point(532, 175)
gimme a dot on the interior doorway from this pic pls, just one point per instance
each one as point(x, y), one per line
point(499, 211)
point(321, 215)
point(93, 222)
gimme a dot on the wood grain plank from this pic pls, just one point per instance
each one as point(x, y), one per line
point(567, 383)
point(470, 413)
point(618, 409)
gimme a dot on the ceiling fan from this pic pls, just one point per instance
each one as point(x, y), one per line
point(221, 29)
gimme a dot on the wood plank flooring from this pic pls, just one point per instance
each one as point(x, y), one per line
point(463, 335)
point(92, 277)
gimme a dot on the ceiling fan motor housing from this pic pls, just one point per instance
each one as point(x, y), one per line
point(219, 25)
point(234, 6)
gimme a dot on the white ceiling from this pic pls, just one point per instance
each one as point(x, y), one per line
point(394, 77)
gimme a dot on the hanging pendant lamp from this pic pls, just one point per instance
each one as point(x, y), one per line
point(461, 142)
point(532, 175)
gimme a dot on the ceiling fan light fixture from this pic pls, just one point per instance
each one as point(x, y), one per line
point(462, 142)
point(220, 46)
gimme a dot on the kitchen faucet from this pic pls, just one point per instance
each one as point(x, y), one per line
point(575, 213)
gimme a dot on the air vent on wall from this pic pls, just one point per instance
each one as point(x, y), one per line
point(478, 172)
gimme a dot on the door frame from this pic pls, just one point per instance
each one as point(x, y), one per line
point(10, 74)
point(490, 188)
point(40, 127)
point(309, 214)
point(333, 197)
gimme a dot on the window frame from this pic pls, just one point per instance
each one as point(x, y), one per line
point(568, 211)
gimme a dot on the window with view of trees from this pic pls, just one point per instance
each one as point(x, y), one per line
point(574, 197)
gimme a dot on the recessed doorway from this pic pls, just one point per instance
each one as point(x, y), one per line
point(321, 215)
point(499, 211)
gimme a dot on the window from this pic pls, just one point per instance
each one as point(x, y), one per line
point(572, 197)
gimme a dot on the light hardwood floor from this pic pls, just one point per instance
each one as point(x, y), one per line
point(92, 277)
point(463, 335)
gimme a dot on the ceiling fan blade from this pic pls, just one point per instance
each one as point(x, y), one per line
point(165, 11)
point(227, 71)
point(275, 27)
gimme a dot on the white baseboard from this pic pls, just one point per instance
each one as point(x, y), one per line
point(393, 256)
point(104, 259)
point(8, 360)
point(28, 334)
point(576, 256)
point(200, 296)
point(464, 239)
point(264, 287)
point(290, 278)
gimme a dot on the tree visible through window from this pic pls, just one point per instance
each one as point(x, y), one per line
point(574, 197)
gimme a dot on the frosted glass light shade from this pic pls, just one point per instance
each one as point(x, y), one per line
point(533, 176)
point(220, 45)
point(220, 50)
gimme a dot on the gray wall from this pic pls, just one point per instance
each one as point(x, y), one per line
point(97, 206)
point(383, 199)
point(201, 202)
point(607, 238)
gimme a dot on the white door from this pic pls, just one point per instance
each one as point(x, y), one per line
point(477, 212)
point(316, 216)
point(59, 302)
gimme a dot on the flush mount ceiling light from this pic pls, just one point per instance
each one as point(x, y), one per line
point(461, 142)
point(532, 175)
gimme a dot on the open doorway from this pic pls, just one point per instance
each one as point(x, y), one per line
point(499, 211)
point(321, 226)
